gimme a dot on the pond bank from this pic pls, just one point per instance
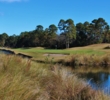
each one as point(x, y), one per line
point(7, 51)
point(37, 82)
point(13, 53)
point(88, 60)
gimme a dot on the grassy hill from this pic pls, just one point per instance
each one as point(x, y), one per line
point(97, 49)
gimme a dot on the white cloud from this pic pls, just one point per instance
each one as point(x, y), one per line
point(12, 0)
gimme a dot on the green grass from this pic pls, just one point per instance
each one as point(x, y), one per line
point(91, 49)
point(64, 51)
point(38, 52)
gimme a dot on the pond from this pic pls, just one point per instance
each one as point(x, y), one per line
point(8, 52)
point(99, 80)
point(4, 52)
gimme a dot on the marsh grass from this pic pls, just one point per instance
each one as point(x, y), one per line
point(89, 60)
point(90, 69)
point(22, 79)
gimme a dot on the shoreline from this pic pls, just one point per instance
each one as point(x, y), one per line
point(13, 53)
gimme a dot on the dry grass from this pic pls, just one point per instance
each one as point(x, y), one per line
point(88, 60)
point(93, 46)
point(22, 79)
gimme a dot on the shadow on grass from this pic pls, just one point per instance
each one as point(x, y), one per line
point(108, 47)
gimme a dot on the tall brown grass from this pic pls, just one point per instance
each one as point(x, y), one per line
point(22, 79)
point(89, 60)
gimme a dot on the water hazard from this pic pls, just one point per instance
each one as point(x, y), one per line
point(99, 80)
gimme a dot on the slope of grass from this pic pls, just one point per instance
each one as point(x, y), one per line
point(64, 51)
point(93, 48)
point(38, 52)
point(22, 79)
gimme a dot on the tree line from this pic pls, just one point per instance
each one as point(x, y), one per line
point(66, 34)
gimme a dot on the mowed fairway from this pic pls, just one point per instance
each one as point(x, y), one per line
point(39, 52)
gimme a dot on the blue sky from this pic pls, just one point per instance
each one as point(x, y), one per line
point(17, 16)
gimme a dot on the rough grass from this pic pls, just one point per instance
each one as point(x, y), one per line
point(89, 60)
point(22, 79)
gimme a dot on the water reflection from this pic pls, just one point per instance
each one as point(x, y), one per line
point(98, 80)
point(4, 52)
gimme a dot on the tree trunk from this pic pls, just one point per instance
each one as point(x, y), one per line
point(67, 43)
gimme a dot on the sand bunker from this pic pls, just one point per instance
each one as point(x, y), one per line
point(55, 55)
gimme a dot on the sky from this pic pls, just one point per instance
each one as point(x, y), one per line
point(17, 16)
